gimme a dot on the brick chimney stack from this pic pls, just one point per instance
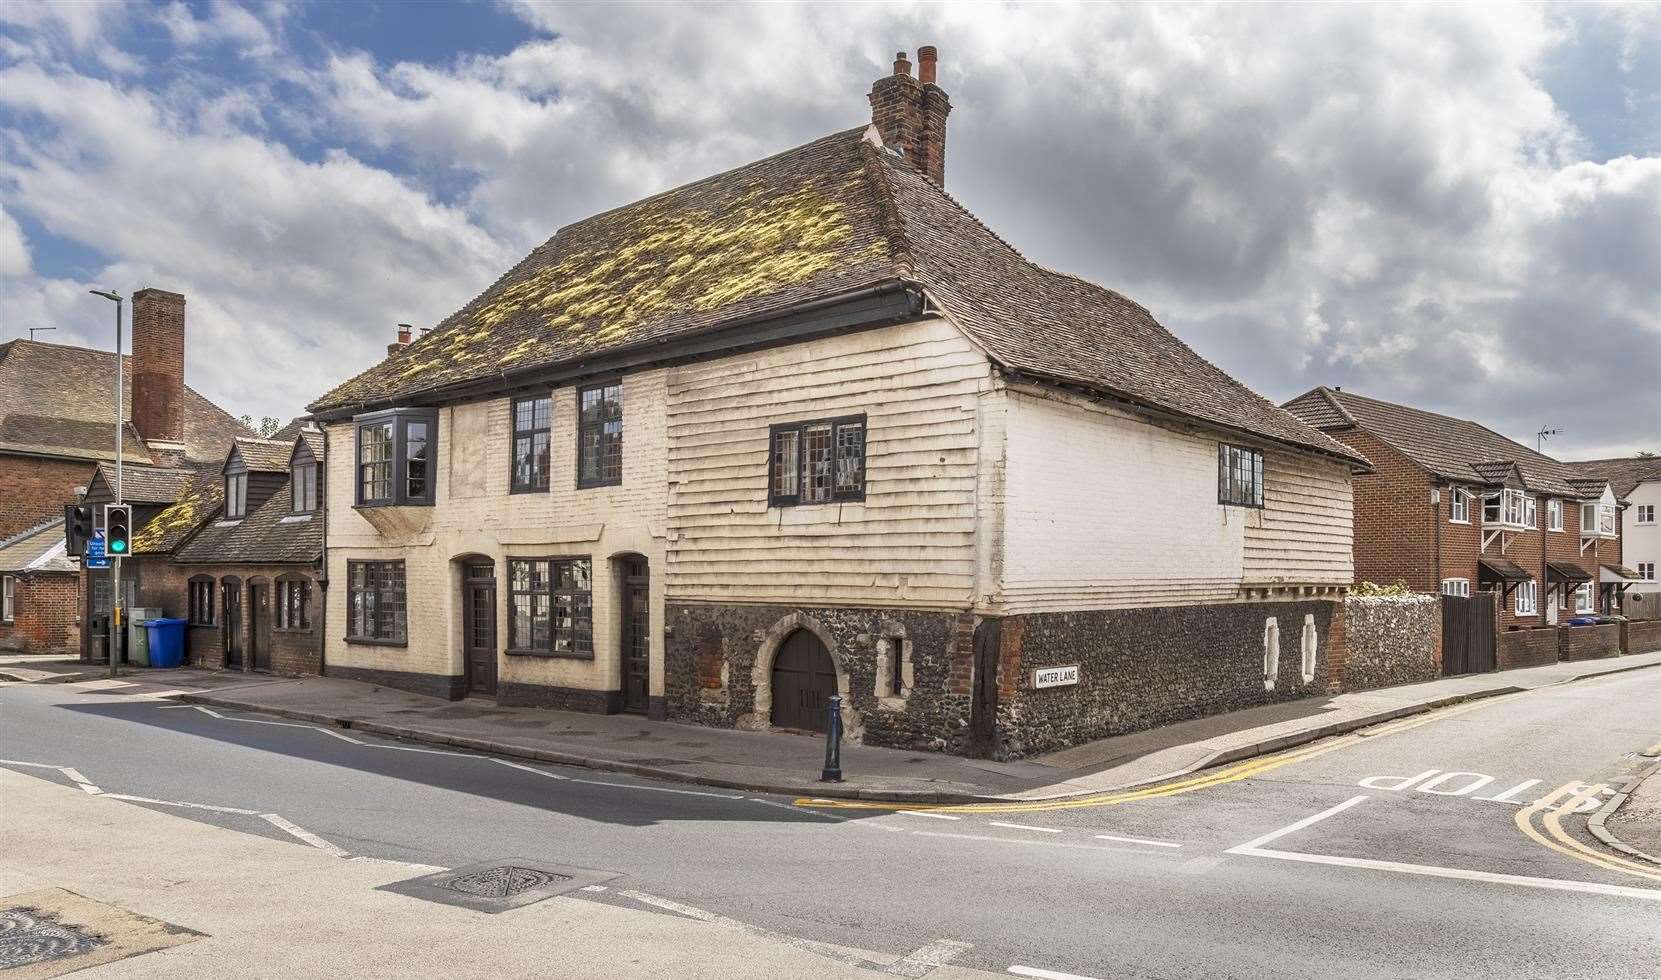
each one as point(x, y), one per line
point(910, 113)
point(405, 333)
point(158, 367)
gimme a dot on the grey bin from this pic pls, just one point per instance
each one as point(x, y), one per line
point(138, 638)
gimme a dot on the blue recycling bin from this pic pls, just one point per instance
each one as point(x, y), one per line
point(167, 642)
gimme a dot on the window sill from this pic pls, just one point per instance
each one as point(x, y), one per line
point(797, 504)
point(291, 629)
point(1455, 520)
point(378, 504)
point(521, 491)
point(548, 654)
point(598, 484)
point(364, 641)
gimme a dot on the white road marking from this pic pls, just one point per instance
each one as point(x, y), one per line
point(1022, 826)
point(1137, 840)
point(191, 806)
point(1024, 842)
point(1295, 827)
point(925, 813)
point(873, 825)
point(659, 789)
point(1032, 971)
point(593, 888)
point(417, 748)
point(924, 961)
point(303, 834)
point(80, 780)
point(539, 772)
point(807, 945)
point(1255, 849)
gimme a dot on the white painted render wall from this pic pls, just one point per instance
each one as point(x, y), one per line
point(474, 514)
point(1641, 543)
point(1103, 509)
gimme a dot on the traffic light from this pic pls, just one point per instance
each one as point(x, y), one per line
point(77, 528)
point(118, 530)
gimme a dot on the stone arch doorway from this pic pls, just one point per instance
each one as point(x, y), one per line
point(803, 681)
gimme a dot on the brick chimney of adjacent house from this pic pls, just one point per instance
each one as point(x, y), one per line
point(910, 113)
point(405, 333)
point(158, 367)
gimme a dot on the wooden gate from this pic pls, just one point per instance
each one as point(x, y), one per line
point(1467, 634)
point(803, 678)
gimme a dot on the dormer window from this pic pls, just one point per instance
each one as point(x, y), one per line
point(236, 495)
point(1597, 520)
point(395, 454)
point(302, 487)
point(1509, 508)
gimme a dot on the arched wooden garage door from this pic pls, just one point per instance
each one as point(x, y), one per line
point(803, 678)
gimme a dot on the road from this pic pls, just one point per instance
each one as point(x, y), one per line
point(1415, 849)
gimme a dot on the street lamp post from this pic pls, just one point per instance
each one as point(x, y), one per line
point(116, 607)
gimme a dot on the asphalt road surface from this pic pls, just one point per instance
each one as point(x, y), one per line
point(1443, 845)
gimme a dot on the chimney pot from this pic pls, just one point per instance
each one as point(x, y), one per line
point(404, 333)
point(926, 58)
point(901, 65)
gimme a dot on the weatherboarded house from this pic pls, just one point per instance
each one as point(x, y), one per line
point(808, 428)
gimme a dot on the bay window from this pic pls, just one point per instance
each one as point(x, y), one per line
point(395, 455)
point(1597, 520)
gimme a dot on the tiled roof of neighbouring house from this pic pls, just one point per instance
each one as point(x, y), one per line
point(147, 484)
point(1623, 474)
point(198, 501)
point(271, 534)
point(1451, 448)
point(814, 223)
point(266, 455)
point(39, 549)
point(58, 400)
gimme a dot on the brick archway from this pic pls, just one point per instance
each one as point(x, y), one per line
point(761, 675)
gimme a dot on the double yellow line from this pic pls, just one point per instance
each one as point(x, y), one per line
point(1218, 777)
point(1551, 818)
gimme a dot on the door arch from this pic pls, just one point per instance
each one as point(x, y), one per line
point(803, 680)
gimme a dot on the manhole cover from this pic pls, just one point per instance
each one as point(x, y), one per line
point(495, 886)
point(27, 936)
point(502, 881)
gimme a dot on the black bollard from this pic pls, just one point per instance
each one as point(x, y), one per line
point(833, 742)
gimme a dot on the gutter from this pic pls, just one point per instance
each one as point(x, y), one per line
point(562, 370)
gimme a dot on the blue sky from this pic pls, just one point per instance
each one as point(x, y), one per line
point(1455, 206)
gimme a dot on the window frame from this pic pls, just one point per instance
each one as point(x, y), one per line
point(515, 433)
point(193, 607)
point(236, 494)
point(799, 428)
point(1531, 590)
point(583, 481)
point(314, 478)
point(1584, 589)
point(1514, 508)
point(352, 590)
point(1646, 571)
point(1554, 514)
point(1459, 503)
point(1639, 512)
point(551, 592)
point(1602, 514)
point(280, 608)
point(1464, 592)
point(8, 598)
point(400, 420)
point(1225, 468)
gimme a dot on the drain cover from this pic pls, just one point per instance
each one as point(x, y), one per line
point(494, 886)
point(29, 936)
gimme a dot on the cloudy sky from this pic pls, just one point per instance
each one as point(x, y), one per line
point(1458, 207)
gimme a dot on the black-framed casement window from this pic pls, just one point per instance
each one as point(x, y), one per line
point(550, 607)
point(395, 454)
point(201, 601)
point(816, 462)
point(293, 603)
point(532, 425)
point(302, 487)
point(375, 602)
point(236, 495)
point(600, 435)
point(1239, 476)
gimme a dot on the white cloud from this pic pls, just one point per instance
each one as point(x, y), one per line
point(14, 248)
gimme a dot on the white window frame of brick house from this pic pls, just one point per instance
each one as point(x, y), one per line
point(1583, 602)
point(8, 599)
point(1554, 514)
point(1528, 591)
point(1512, 509)
point(1597, 520)
point(1644, 514)
point(1459, 511)
point(1459, 587)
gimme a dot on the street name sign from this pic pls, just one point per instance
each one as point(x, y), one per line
point(1055, 676)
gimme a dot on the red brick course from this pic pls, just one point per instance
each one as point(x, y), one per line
point(34, 490)
point(44, 618)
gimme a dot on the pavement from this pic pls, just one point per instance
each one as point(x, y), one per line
point(1441, 845)
point(1631, 821)
point(790, 764)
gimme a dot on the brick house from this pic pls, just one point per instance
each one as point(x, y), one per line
point(809, 427)
point(1454, 507)
point(57, 434)
point(1636, 480)
point(238, 555)
point(37, 591)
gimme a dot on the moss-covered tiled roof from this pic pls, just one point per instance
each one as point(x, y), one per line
point(198, 502)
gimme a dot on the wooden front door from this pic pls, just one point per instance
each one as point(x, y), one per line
point(478, 603)
point(230, 601)
point(803, 679)
point(259, 626)
point(637, 636)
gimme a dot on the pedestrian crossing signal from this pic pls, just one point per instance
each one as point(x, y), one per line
point(117, 529)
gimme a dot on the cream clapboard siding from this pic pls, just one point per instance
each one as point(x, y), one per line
point(1102, 509)
point(910, 543)
point(1305, 533)
point(474, 514)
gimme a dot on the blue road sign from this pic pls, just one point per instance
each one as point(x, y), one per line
point(98, 563)
point(95, 548)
